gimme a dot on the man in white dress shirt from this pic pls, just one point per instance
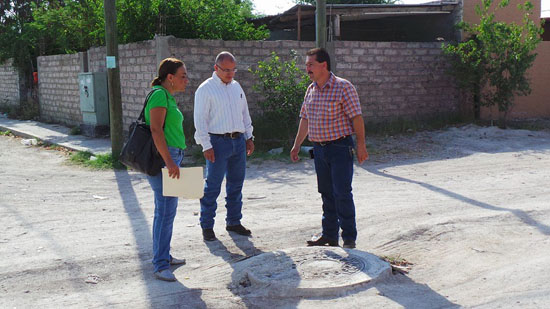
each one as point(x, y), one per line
point(224, 130)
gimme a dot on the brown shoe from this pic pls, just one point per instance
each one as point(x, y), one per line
point(239, 229)
point(323, 241)
point(208, 234)
point(349, 244)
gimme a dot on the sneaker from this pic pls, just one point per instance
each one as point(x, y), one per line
point(208, 234)
point(165, 275)
point(239, 229)
point(323, 241)
point(349, 244)
point(175, 261)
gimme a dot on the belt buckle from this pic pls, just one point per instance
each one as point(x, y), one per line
point(234, 135)
point(323, 143)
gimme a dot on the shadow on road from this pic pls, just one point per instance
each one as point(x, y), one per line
point(520, 214)
point(159, 293)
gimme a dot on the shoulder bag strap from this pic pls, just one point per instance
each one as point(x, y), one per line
point(142, 114)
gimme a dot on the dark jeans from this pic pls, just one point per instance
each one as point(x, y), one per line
point(334, 168)
point(230, 162)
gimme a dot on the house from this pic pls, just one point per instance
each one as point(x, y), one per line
point(537, 104)
point(369, 22)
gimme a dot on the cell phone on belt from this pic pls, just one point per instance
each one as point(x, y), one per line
point(311, 153)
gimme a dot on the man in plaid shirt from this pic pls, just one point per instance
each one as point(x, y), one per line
point(330, 114)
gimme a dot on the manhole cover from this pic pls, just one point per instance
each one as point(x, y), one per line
point(312, 270)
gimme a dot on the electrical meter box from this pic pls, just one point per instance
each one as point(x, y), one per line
point(94, 103)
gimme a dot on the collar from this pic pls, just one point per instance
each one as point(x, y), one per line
point(164, 89)
point(218, 79)
point(329, 83)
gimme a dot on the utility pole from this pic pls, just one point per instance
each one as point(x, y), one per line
point(321, 24)
point(113, 78)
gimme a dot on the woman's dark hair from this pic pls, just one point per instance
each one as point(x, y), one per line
point(167, 66)
point(321, 55)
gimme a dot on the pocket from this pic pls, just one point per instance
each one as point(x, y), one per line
point(176, 154)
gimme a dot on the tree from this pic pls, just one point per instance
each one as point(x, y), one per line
point(31, 28)
point(44, 27)
point(493, 63)
point(16, 38)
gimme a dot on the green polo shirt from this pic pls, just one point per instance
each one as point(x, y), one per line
point(173, 124)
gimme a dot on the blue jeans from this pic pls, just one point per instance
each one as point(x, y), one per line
point(165, 212)
point(230, 161)
point(334, 168)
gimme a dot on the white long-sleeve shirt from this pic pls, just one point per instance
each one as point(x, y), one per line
point(220, 108)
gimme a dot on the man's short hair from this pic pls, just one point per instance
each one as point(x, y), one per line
point(321, 55)
point(224, 55)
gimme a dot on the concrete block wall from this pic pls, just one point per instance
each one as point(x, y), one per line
point(199, 57)
point(137, 64)
point(394, 79)
point(9, 84)
point(398, 79)
point(59, 95)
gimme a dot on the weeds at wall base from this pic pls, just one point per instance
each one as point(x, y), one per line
point(26, 110)
point(99, 162)
point(404, 126)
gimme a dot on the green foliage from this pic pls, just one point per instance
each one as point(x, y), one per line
point(100, 162)
point(283, 86)
point(492, 64)
point(45, 27)
point(68, 26)
point(75, 131)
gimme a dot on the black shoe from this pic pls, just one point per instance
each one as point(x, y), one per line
point(208, 234)
point(239, 229)
point(323, 241)
point(349, 244)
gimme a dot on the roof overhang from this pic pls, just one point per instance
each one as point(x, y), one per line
point(355, 12)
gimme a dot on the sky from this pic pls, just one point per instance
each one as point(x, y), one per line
point(272, 7)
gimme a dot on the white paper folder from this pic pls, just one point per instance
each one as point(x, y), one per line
point(190, 185)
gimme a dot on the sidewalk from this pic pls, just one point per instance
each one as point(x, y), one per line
point(55, 134)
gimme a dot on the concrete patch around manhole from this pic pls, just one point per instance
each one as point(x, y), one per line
point(309, 271)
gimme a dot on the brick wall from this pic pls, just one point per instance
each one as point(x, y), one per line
point(398, 79)
point(199, 56)
point(58, 89)
point(9, 85)
point(137, 64)
point(394, 79)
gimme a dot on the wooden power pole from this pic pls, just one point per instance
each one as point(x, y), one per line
point(321, 24)
point(113, 78)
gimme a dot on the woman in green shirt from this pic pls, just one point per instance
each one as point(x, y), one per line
point(166, 122)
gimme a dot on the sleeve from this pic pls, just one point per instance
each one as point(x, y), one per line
point(200, 115)
point(157, 99)
point(351, 104)
point(303, 110)
point(247, 121)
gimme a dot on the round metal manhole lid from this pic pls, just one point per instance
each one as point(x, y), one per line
point(312, 270)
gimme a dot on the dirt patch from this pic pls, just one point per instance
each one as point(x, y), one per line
point(467, 206)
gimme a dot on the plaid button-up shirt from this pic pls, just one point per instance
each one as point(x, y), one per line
point(329, 109)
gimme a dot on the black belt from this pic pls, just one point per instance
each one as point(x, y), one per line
point(330, 142)
point(232, 135)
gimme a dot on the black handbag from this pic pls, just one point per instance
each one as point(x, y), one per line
point(140, 152)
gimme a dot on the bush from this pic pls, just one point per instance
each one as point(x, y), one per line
point(27, 110)
point(283, 86)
